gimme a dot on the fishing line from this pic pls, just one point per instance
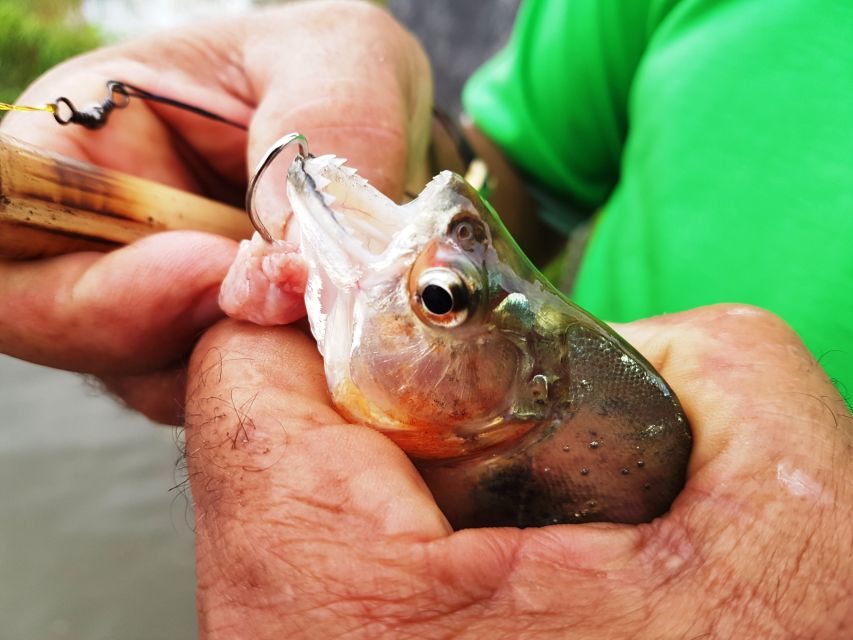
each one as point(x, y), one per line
point(5, 106)
point(118, 96)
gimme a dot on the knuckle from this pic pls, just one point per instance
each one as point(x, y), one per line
point(753, 333)
point(340, 13)
point(750, 317)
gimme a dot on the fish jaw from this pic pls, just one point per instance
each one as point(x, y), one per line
point(324, 194)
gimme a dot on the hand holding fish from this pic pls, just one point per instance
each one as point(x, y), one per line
point(517, 407)
point(131, 317)
point(306, 523)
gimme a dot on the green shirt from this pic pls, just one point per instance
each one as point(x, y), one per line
point(715, 135)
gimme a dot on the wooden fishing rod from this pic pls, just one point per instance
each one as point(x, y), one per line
point(51, 204)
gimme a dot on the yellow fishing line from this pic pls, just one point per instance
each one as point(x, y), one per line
point(5, 106)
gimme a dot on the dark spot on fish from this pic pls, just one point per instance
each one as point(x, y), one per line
point(625, 471)
point(647, 486)
point(513, 496)
point(566, 447)
point(594, 444)
point(584, 471)
point(641, 463)
point(5, 201)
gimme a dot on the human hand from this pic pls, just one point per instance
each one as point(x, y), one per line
point(343, 73)
point(309, 527)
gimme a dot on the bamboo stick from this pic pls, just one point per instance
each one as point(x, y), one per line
point(51, 204)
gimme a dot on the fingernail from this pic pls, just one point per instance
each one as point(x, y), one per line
point(206, 310)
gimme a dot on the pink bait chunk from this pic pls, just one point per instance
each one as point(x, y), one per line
point(266, 283)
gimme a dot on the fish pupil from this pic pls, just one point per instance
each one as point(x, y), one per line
point(437, 300)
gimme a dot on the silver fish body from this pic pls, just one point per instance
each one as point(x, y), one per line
point(518, 407)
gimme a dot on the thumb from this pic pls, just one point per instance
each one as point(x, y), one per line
point(768, 499)
point(277, 478)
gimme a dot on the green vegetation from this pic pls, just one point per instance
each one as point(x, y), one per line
point(35, 36)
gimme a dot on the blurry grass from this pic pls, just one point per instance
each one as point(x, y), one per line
point(35, 36)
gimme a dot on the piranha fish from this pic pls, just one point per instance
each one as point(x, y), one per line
point(517, 407)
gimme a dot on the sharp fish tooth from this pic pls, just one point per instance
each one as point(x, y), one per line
point(328, 198)
point(321, 182)
point(326, 159)
point(339, 162)
point(349, 171)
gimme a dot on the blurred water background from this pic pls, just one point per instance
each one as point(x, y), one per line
point(94, 543)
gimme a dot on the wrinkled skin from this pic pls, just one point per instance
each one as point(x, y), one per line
point(309, 527)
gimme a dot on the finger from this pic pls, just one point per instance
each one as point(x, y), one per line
point(358, 85)
point(159, 396)
point(131, 311)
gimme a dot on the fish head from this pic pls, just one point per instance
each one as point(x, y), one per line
point(518, 407)
point(401, 300)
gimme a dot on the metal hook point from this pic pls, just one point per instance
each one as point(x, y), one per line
point(277, 147)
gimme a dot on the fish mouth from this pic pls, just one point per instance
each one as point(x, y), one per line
point(345, 221)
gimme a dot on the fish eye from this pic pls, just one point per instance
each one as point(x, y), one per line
point(442, 297)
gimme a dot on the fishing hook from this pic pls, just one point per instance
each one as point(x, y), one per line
point(272, 153)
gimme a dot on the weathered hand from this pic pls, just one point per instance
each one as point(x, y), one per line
point(308, 527)
point(343, 73)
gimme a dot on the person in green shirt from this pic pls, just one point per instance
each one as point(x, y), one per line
point(310, 527)
point(711, 143)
